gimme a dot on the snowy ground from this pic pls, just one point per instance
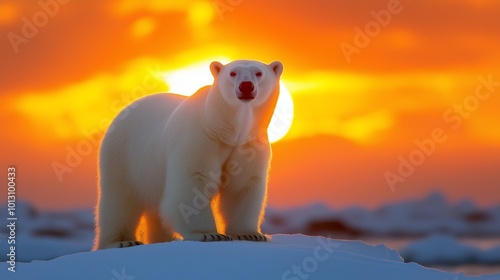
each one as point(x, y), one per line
point(437, 226)
point(286, 257)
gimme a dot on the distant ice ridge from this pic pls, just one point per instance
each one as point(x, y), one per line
point(432, 214)
point(288, 257)
point(447, 250)
point(44, 235)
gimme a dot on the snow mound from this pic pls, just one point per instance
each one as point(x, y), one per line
point(286, 257)
point(447, 250)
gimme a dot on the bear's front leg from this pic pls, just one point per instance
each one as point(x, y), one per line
point(242, 201)
point(186, 204)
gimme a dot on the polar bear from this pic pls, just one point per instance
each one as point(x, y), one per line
point(194, 167)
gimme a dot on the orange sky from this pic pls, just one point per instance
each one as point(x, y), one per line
point(361, 101)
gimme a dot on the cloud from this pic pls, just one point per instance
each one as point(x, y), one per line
point(69, 111)
point(83, 39)
point(90, 60)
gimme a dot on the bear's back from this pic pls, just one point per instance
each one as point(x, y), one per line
point(133, 145)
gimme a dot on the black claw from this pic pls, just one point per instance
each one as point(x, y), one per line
point(239, 238)
point(130, 243)
point(121, 245)
point(213, 237)
point(137, 243)
point(204, 237)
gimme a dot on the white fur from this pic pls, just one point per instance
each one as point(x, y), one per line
point(195, 167)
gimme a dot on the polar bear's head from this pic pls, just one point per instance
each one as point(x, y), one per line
point(247, 81)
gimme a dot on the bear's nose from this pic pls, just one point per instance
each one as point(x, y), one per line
point(246, 88)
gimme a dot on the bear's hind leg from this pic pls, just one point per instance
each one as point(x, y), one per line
point(116, 220)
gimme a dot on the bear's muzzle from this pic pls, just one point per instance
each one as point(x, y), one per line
point(246, 91)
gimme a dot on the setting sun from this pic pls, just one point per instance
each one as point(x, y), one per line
point(189, 79)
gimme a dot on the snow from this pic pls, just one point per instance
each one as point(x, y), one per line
point(286, 257)
point(446, 249)
point(65, 238)
point(44, 248)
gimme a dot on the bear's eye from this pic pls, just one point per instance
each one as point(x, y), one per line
point(258, 74)
point(232, 74)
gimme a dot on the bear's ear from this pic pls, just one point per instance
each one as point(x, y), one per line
point(277, 68)
point(215, 68)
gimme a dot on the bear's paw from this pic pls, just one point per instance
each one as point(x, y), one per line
point(207, 237)
point(124, 244)
point(258, 237)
